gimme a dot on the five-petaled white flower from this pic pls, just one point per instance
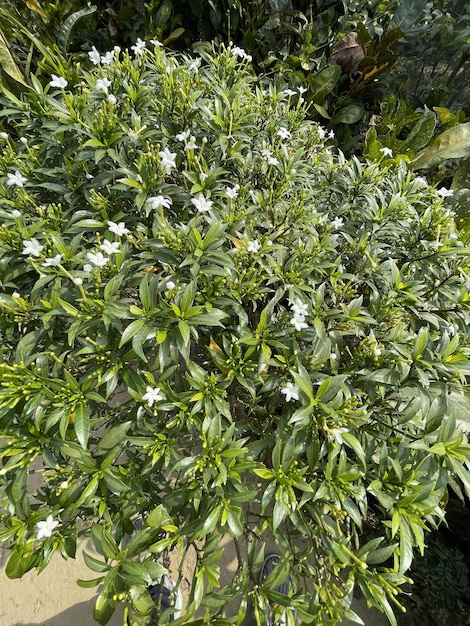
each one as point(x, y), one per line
point(291, 391)
point(283, 132)
point(58, 81)
point(167, 160)
point(290, 92)
point(46, 527)
point(102, 84)
point(97, 259)
point(183, 136)
point(445, 193)
point(386, 151)
point(139, 47)
point(112, 98)
point(337, 223)
point(193, 67)
point(94, 56)
point(201, 203)
point(239, 52)
point(337, 434)
point(110, 247)
point(299, 308)
point(53, 261)
point(298, 321)
point(118, 229)
point(152, 395)
point(15, 214)
point(232, 192)
point(302, 89)
point(32, 247)
point(16, 179)
point(156, 43)
point(253, 246)
point(157, 202)
point(191, 145)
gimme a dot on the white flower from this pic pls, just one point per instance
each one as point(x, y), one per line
point(170, 285)
point(299, 308)
point(78, 281)
point(421, 181)
point(87, 268)
point(386, 151)
point(239, 52)
point(112, 98)
point(377, 352)
point(253, 246)
point(191, 145)
point(4, 135)
point(16, 179)
point(302, 89)
point(94, 56)
point(24, 141)
point(32, 247)
point(331, 134)
point(333, 356)
point(337, 223)
point(167, 160)
point(201, 203)
point(53, 261)
point(58, 81)
point(290, 92)
point(15, 294)
point(46, 527)
point(337, 434)
point(157, 202)
point(291, 392)
point(152, 395)
point(283, 132)
point(232, 192)
point(298, 321)
point(156, 43)
point(268, 155)
point(102, 84)
point(183, 136)
point(16, 214)
point(139, 47)
point(110, 247)
point(194, 66)
point(97, 259)
point(445, 193)
point(118, 229)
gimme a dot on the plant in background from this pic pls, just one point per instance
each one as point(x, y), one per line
point(211, 320)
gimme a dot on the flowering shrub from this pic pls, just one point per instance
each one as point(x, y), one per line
point(211, 320)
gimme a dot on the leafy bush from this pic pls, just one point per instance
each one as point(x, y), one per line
point(210, 319)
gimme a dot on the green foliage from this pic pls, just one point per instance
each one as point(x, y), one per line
point(210, 319)
point(441, 593)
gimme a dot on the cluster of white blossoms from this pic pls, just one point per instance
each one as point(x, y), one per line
point(300, 310)
point(96, 58)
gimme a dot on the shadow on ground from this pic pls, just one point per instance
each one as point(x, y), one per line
point(80, 613)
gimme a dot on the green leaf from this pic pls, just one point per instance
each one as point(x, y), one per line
point(350, 114)
point(95, 564)
point(451, 144)
point(66, 30)
point(323, 83)
point(113, 437)
point(8, 63)
point(82, 424)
